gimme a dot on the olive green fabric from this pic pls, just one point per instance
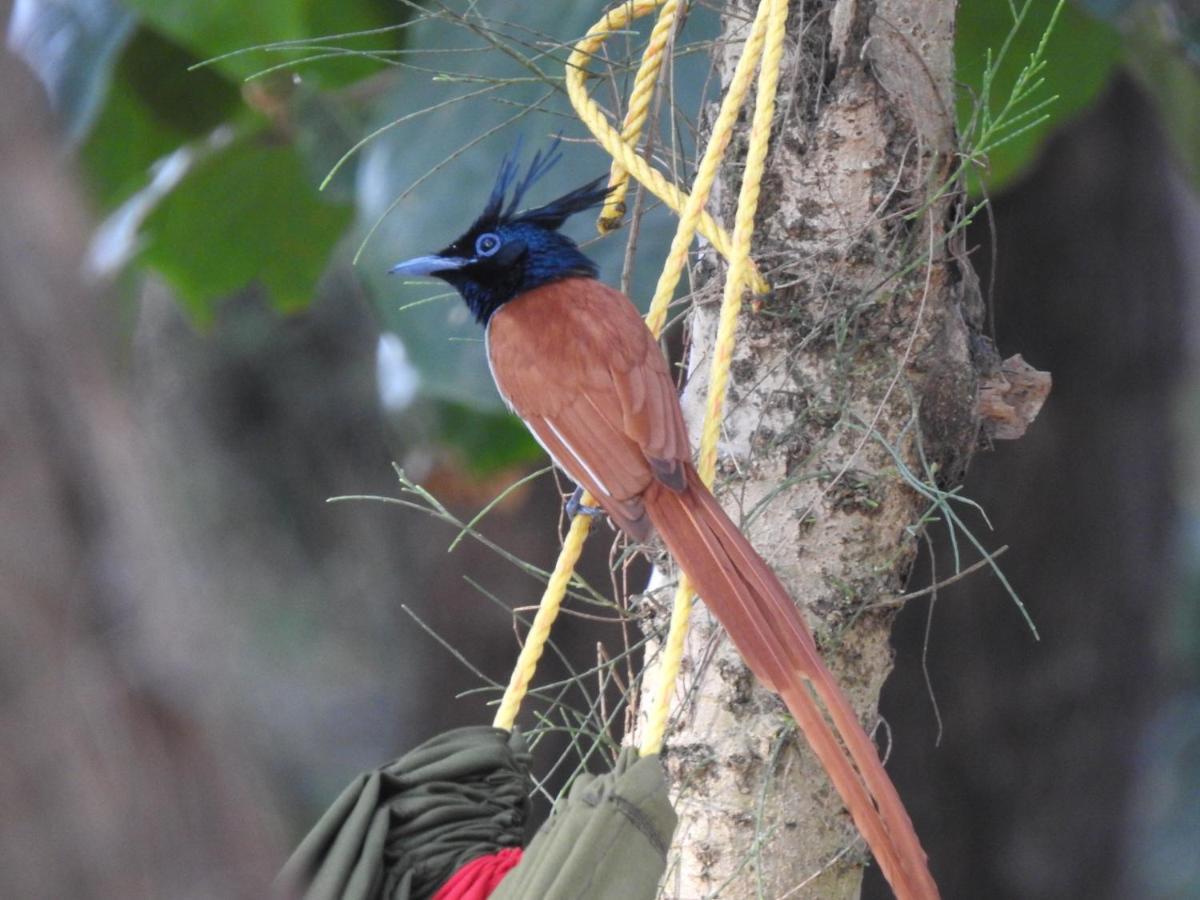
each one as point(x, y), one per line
point(398, 832)
point(607, 841)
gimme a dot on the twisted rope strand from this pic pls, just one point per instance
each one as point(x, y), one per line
point(543, 620)
point(644, 84)
point(743, 231)
point(706, 173)
point(672, 658)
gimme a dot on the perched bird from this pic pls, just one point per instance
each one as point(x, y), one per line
point(573, 358)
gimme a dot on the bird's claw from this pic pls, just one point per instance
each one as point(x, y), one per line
point(576, 507)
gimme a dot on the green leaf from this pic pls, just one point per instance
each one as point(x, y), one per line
point(124, 144)
point(221, 26)
point(1080, 57)
point(155, 69)
point(488, 441)
point(247, 214)
point(154, 106)
point(216, 27)
point(324, 18)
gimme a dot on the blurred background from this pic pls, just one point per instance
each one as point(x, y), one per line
point(199, 347)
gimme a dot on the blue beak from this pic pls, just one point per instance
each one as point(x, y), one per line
point(428, 265)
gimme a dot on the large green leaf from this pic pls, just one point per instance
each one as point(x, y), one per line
point(1080, 57)
point(155, 68)
point(247, 214)
point(124, 144)
point(216, 27)
point(222, 26)
point(155, 105)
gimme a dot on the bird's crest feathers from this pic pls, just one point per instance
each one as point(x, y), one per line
point(510, 189)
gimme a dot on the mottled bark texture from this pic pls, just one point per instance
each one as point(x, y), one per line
point(864, 345)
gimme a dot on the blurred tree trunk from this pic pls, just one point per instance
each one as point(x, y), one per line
point(870, 322)
point(193, 643)
point(1030, 792)
point(114, 780)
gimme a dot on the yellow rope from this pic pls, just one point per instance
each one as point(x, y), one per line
point(672, 658)
point(769, 28)
point(635, 116)
point(706, 172)
point(610, 139)
point(743, 231)
point(539, 632)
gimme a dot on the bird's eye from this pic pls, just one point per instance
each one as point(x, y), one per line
point(487, 244)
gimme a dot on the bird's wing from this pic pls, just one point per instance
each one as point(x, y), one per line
point(576, 362)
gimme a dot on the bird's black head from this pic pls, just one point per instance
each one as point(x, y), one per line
point(506, 253)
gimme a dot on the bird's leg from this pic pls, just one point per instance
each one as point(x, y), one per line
point(575, 506)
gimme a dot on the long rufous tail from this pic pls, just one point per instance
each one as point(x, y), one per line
point(765, 626)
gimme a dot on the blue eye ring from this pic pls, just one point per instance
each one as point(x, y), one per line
point(487, 244)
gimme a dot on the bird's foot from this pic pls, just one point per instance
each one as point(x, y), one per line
point(576, 507)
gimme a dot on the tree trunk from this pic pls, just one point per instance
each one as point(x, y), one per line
point(117, 776)
point(862, 350)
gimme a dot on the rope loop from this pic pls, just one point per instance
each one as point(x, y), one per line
point(644, 85)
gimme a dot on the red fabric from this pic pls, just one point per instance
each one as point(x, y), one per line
point(478, 878)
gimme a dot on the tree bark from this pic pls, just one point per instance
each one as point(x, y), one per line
point(864, 346)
